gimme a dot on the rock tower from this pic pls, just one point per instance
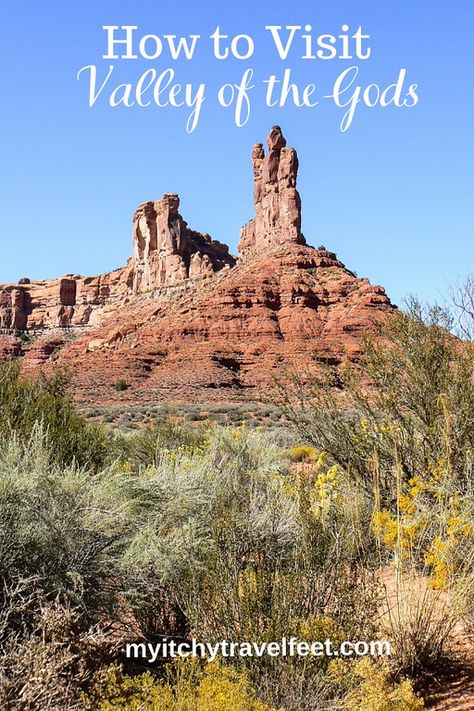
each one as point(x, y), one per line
point(277, 202)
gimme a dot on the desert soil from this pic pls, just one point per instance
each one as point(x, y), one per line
point(454, 689)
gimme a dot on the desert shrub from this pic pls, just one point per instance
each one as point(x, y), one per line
point(97, 540)
point(145, 448)
point(25, 401)
point(43, 651)
point(371, 688)
point(70, 528)
point(429, 542)
point(188, 686)
point(308, 684)
point(420, 624)
point(293, 687)
point(238, 548)
point(303, 453)
point(404, 430)
point(271, 556)
point(121, 386)
point(409, 405)
point(58, 523)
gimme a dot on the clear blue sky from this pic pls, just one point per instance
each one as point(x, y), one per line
point(393, 196)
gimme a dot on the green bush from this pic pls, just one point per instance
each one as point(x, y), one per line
point(246, 550)
point(26, 401)
point(144, 448)
point(409, 404)
point(61, 524)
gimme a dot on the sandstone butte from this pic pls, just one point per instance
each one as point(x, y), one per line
point(184, 320)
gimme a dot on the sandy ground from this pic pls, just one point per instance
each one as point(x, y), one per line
point(451, 689)
point(454, 690)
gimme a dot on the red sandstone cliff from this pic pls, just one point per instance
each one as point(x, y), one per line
point(183, 321)
point(165, 253)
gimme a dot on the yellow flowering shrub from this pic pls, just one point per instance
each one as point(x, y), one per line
point(367, 432)
point(190, 686)
point(369, 688)
point(436, 559)
point(403, 529)
point(385, 527)
point(222, 688)
point(304, 453)
point(325, 492)
point(429, 525)
point(319, 628)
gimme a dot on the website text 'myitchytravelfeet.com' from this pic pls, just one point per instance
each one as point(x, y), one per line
point(286, 647)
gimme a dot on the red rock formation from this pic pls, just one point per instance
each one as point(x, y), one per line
point(291, 306)
point(166, 251)
point(277, 202)
point(12, 308)
point(173, 336)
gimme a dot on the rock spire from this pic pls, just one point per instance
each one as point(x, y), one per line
point(277, 202)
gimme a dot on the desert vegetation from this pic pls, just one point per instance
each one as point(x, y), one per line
point(352, 519)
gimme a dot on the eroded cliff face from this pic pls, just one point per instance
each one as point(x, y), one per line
point(66, 302)
point(12, 308)
point(165, 253)
point(185, 321)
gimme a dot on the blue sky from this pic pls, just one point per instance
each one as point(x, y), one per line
point(392, 195)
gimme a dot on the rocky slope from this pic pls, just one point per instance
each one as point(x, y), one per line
point(184, 320)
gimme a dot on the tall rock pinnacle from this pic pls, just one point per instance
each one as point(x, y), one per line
point(277, 202)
